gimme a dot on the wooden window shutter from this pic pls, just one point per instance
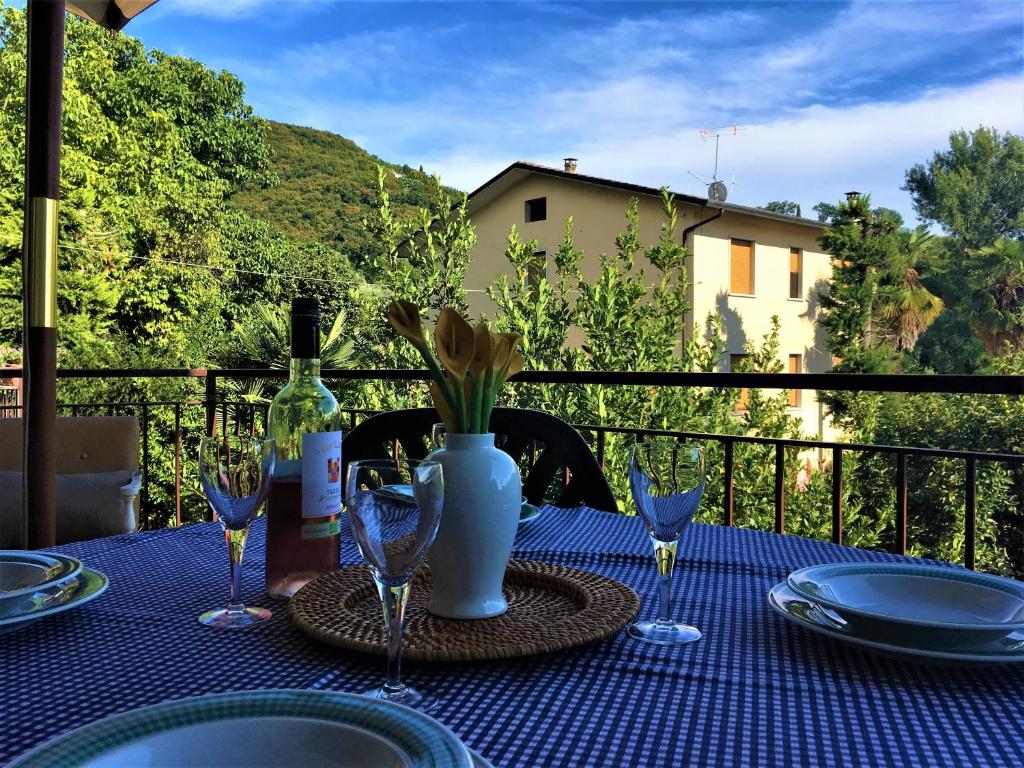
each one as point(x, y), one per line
point(796, 264)
point(795, 366)
point(742, 267)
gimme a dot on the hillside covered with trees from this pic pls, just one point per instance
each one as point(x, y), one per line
point(321, 187)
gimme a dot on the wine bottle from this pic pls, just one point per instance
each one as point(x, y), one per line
point(304, 505)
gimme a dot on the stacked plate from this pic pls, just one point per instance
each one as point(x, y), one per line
point(261, 728)
point(922, 612)
point(34, 585)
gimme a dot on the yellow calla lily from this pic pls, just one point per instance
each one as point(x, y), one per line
point(443, 409)
point(470, 365)
point(404, 317)
point(515, 364)
point(482, 350)
point(454, 342)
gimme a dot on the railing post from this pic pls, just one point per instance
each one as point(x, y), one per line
point(780, 487)
point(971, 511)
point(901, 503)
point(144, 505)
point(211, 403)
point(837, 495)
point(177, 464)
point(728, 495)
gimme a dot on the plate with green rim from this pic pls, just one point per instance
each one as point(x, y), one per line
point(24, 573)
point(259, 729)
point(71, 593)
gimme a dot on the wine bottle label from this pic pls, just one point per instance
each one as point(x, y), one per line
point(321, 474)
point(321, 530)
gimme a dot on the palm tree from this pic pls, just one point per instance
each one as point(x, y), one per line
point(261, 340)
point(995, 283)
point(909, 307)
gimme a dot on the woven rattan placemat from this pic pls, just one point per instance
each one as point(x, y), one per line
point(550, 607)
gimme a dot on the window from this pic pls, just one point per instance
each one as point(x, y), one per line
point(796, 269)
point(537, 269)
point(796, 365)
point(741, 276)
point(537, 209)
point(735, 362)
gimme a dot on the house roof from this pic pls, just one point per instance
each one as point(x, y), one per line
point(520, 169)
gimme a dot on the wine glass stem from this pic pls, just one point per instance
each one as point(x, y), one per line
point(393, 600)
point(665, 557)
point(236, 550)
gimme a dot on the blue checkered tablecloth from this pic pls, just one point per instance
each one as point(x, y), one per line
point(753, 691)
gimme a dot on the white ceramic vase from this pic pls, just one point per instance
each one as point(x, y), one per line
point(482, 500)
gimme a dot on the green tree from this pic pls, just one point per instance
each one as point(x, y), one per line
point(995, 295)
point(152, 144)
point(908, 306)
point(863, 247)
point(785, 207)
point(825, 211)
point(975, 189)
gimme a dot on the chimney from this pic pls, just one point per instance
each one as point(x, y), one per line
point(852, 197)
point(570, 165)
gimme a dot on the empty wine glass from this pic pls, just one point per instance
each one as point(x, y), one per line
point(666, 478)
point(438, 434)
point(235, 471)
point(393, 533)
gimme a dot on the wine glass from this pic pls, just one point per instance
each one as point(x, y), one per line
point(666, 478)
point(438, 434)
point(235, 472)
point(393, 533)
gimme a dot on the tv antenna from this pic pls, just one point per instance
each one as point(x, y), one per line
point(717, 189)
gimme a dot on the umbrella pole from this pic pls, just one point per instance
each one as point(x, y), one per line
point(45, 81)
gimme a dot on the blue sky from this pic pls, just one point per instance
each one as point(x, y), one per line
point(831, 95)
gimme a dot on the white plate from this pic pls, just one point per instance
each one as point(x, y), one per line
point(260, 729)
point(86, 586)
point(918, 604)
point(824, 621)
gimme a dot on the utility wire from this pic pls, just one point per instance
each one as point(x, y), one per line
point(212, 268)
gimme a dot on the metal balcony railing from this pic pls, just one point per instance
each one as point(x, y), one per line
point(216, 410)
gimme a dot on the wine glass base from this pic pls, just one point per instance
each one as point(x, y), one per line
point(406, 696)
point(666, 633)
point(222, 618)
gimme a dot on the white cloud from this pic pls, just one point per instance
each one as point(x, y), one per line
point(810, 156)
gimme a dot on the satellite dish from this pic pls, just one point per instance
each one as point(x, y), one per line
point(717, 191)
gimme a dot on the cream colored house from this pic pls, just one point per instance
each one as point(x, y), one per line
point(746, 264)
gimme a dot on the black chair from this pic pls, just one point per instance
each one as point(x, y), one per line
point(556, 461)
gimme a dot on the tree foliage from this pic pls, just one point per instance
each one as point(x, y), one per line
point(785, 207)
point(975, 189)
point(324, 188)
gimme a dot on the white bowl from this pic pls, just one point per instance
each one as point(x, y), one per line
point(925, 605)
